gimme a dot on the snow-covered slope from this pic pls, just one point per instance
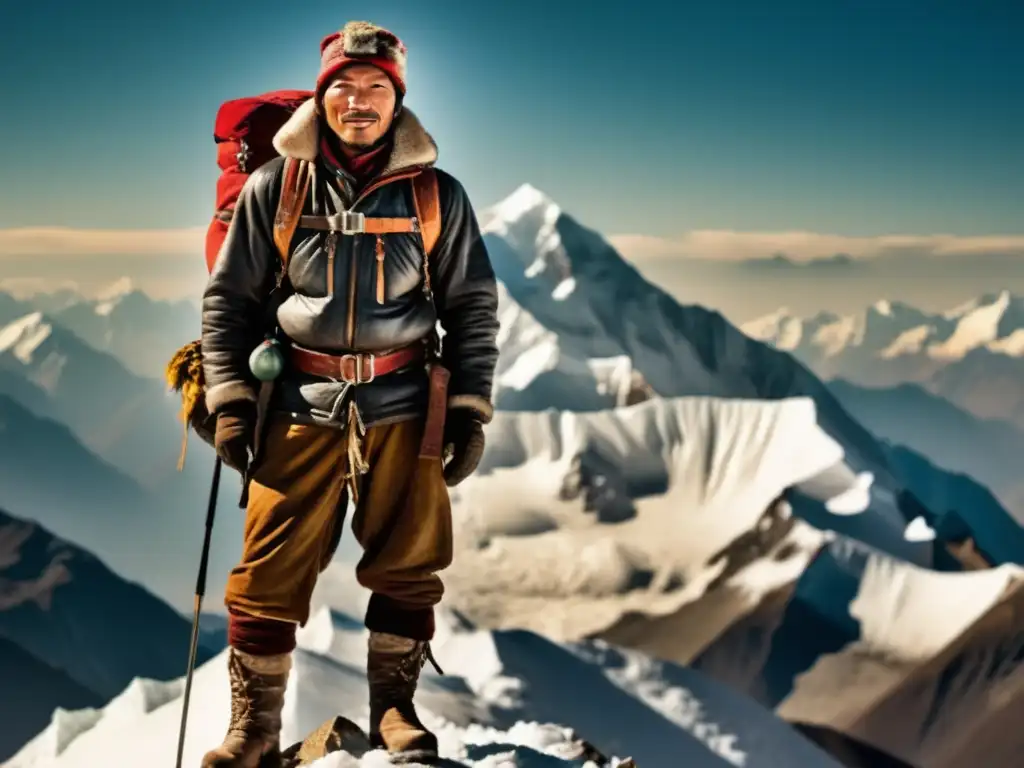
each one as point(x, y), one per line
point(506, 693)
point(661, 506)
point(972, 354)
point(930, 664)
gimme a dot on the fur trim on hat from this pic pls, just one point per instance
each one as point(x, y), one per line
point(361, 40)
point(412, 145)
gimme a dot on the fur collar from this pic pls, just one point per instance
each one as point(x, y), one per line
point(413, 146)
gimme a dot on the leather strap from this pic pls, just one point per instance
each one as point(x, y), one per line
point(294, 187)
point(371, 225)
point(427, 199)
point(355, 368)
point(437, 409)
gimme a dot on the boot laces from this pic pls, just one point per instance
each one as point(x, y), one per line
point(399, 681)
point(253, 705)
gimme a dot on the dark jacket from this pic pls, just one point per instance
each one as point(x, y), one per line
point(345, 316)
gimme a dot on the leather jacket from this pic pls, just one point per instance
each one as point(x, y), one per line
point(332, 304)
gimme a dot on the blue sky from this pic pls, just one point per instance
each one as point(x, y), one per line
point(856, 118)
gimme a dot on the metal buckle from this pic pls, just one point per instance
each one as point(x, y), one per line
point(243, 156)
point(353, 223)
point(358, 369)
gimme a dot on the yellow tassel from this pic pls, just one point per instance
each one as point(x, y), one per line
point(184, 374)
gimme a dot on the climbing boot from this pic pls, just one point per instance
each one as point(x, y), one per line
point(393, 670)
point(257, 696)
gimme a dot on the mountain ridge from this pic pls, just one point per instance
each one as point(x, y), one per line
point(972, 354)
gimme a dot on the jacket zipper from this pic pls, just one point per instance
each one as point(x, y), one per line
point(380, 269)
point(332, 245)
point(350, 325)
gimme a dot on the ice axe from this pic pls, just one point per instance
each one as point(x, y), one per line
point(204, 559)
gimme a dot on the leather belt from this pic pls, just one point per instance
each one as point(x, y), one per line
point(354, 368)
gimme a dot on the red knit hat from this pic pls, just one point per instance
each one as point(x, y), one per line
point(360, 42)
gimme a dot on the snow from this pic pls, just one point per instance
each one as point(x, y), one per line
point(789, 333)
point(835, 336)
point(855, 499)
point(1012, 344)
point(919, 530)
point(497, 707)
point(525, 200)
point(558, 515)
point(909, 342)
point(24, 336)
point(975, 328)
point(896, 606)
point(531, 353)
point(933, 663)
point(116, 290)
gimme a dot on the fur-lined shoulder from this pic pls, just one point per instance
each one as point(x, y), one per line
point(300, 138)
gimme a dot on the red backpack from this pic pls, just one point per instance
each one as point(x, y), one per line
point(244, 131)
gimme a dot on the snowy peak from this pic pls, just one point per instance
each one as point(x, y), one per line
point(826, 331)
point(526, 200)
point(891, 329)
point(530, 224)
point(116, 290)
point(23, 337)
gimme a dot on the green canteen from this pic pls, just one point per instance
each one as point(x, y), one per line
point(266, 361)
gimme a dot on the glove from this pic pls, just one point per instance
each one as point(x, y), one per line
point(464, 437)
point(236, 428)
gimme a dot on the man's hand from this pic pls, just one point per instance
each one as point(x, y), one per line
point(236, 428)
point(464, 434)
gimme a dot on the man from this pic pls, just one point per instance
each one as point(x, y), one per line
point(348, 413)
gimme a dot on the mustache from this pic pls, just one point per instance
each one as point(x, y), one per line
point(359, 115)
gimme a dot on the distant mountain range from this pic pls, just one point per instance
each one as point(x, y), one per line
point(72, 633)
point(141, 332)
point(125, 418)
point(972, 355)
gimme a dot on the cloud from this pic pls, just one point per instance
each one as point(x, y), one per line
point(66, 241)
point(727, 245)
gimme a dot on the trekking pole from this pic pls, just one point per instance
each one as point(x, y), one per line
point(204, 559)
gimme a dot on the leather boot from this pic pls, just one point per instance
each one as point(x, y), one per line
point(392, 670)
point(257, 696)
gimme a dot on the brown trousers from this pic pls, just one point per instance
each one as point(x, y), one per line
point(297, 501)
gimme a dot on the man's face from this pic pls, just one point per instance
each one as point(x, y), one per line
point(359, 104)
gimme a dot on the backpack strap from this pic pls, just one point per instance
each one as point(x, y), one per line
point(427, 199)
point(294, 187)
